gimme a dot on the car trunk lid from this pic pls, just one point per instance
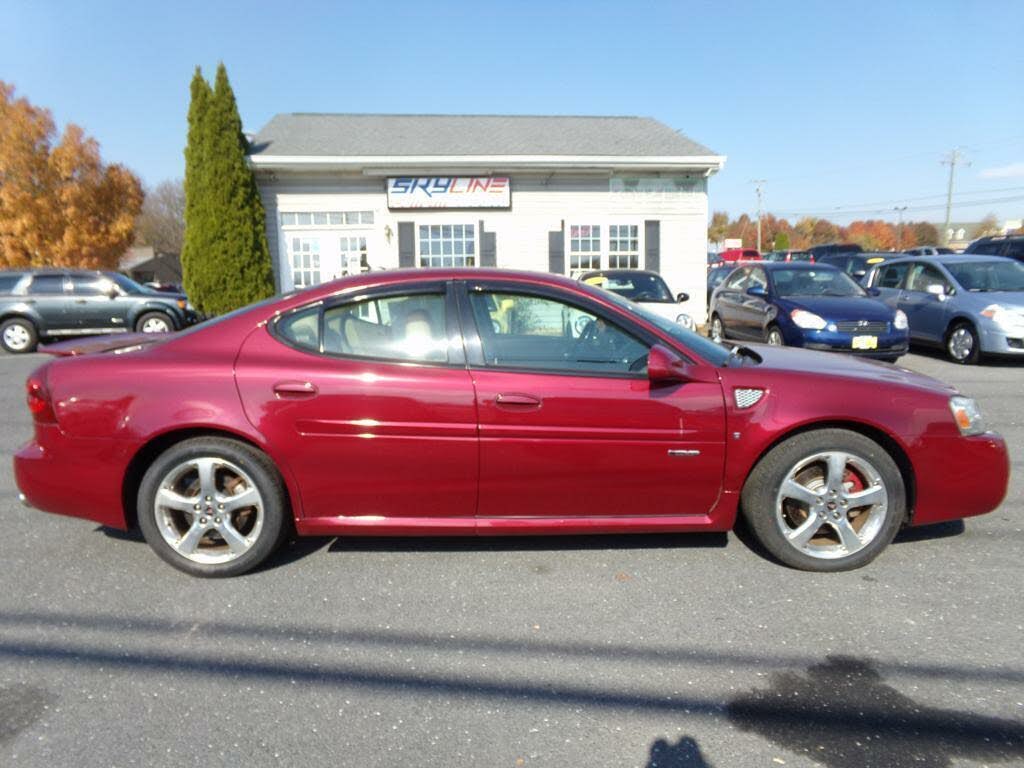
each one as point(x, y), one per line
point(117, 343)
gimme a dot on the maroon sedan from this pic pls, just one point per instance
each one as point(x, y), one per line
point(485, 402)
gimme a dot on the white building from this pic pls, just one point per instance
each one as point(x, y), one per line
point(559, 194)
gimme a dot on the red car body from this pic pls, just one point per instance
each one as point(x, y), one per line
point(373, 447)
point(729, 255)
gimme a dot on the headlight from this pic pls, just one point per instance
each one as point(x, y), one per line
point(686, 321)
point(966, 415)
point(1004, 317)
point(899, 322)
point(807, 320)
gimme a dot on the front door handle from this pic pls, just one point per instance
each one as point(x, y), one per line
point(295, 389)
point(518, 399)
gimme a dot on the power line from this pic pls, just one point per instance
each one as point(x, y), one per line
point(932, 207)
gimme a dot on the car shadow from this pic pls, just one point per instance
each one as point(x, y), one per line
point(554, 543)
point(944, 530)
point(934, 353)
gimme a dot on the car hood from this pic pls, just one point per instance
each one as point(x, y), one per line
point(836, 308)
point(831, 364)
point(667, 309)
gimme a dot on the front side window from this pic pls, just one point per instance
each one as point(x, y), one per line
point(447, 245)
point(584, 246)
point(891, 276)
point(738, 280)
point(623, 246)
point(90, 285)
point(924, 277)
point(304, 259)
point(47, 284)
point(407, 328)
point(535, 332)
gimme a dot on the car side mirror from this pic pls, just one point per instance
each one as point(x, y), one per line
point(858, 274)
point(938, 291)
point(681, 297)
point(112, 292)
point(666, 367)
point(757, 291)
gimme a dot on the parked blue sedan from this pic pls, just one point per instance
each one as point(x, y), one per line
point(806, 305)
point(967, 304)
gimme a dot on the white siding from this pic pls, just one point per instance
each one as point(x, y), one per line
point(540, 204)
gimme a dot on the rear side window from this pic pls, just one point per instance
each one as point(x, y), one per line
point(47, 284)
point(1015, 249)
point(400, 328)
point(989, 249)
point(301, 328)
point(7, 282)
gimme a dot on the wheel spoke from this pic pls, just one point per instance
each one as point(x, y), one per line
point(235, 540)
point(851, 541)
point(836, 469)
point(165, 497)
point(791, 489)
point(867, 497)
point(207, 477)
point(190, 541)
point(805, 531)
point(250, 497)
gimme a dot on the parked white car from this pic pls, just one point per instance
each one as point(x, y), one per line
point(648, 289)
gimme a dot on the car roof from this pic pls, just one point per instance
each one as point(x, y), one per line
point(955, 258)
point(806, 266)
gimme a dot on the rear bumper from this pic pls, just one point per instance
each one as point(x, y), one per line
point(79, 477)
point(959, 477)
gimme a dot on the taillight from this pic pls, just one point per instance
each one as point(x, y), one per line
point(39, 401)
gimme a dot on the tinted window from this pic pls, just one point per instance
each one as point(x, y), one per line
point(47, 284)
point(7, 282)
point(521, 331)
point(89, 285)
point(1015, 249)
point(892, 275)
point(989, 248)
point(301, 328)
point(405, 328)
point(924, 276)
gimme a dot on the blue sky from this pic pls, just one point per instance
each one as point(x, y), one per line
point(848, 105)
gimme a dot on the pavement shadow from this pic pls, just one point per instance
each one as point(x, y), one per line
point(945, 530)
point(987, 361)
point(529, 543)
point(683, 754)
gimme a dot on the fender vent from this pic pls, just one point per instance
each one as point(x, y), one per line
point(745, 398)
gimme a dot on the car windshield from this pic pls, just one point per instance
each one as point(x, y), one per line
point(714, 353)
point(635, 286)
point(815, 282)
point(987, 276)
point(128, 285)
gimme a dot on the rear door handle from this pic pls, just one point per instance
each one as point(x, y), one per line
point(516, 398)
point(295, 389)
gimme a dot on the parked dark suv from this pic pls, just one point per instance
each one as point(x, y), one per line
point(999, 245)
point(42, 303)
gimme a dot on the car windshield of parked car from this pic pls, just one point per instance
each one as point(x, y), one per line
point(714, 353)
point(988, 276)
point(128, 285)
point(815, 282)
point(635, 287)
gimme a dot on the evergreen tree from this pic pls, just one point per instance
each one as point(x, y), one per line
point(226, 262)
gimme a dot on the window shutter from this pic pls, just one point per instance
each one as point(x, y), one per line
point(406, 244)
point(488, 248)
point(556, 252)
point(652, 245)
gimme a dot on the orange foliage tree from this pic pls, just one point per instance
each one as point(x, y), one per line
point(59, 204)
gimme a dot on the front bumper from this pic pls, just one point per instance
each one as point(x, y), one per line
point(959, 476)
point(888, 344)
point(999, 341)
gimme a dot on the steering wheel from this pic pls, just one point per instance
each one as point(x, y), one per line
point(582, 322)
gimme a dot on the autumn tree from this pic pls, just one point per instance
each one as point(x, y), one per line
point(781, 242)
point(718, 227)
point(225, 260)
point(925, 233)
point(162, 221)
point(987, 226)
point(60, 205)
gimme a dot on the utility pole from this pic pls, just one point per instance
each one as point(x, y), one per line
point(757, 188)
point(955, 156)
point(899, 227)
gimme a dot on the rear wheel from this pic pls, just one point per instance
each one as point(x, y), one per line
point(212, 507)
point(827, 500)
point(154, 322)
point(717, 330)
point(18, 335)
point(774, 336)
point(962, 344)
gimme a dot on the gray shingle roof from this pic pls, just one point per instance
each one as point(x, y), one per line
point(343, 135)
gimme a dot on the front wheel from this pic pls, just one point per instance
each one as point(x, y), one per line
point(827, 500)
point(774, 336)
point(154, 322)
point(212, 507)
point(717, 330)
point(962, 344)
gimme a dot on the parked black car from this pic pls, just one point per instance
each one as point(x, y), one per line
point(41, 303)
point(856, 265)
point(832, 249)
point(999, 245)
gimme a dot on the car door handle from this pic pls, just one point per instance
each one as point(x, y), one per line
point(295, 389)
point(515, 398)
point(80, 301)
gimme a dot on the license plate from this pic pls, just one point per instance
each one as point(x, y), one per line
point(865, 342)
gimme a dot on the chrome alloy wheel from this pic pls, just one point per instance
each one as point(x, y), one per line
point(156, 325)
point(16, 337)
point(831, 505)
point(775, 338)
point(209, 510)
point(960, 344)
point(717, 331)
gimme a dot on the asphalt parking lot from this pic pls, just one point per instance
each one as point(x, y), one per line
point(664, 651)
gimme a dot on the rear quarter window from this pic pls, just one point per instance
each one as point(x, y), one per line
point(7, 282)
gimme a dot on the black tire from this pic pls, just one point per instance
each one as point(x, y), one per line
point(960, 335)
point(18, 335)
point(761, 508)
point(721, 328)
point(154, 317)
point(276, 516)
point(768, 335)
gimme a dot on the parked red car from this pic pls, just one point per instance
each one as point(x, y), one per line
point(731, 255)
point(487, 402)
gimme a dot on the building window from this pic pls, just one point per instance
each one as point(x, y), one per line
point(447, 245)
point(584, 246)
point(327, 219)
point(353, 255)
point(623, 246)
point(304, 257)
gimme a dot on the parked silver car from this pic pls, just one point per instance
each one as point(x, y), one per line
point(967, 304)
